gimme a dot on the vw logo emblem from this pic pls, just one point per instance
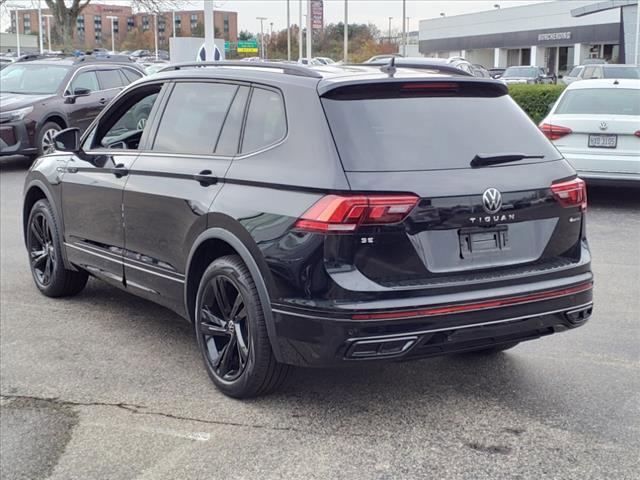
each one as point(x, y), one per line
point(492, 200)
point(603, 125)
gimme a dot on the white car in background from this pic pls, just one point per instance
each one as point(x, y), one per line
point(596, 126)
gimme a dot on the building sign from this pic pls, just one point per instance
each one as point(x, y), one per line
point(317, 14)
point(247, 46)
point(546, 37)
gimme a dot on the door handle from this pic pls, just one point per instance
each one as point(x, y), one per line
point(206, 178)
point(102, 101)
point(120, 170)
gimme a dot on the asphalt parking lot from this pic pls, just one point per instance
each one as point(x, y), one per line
point(105, 385)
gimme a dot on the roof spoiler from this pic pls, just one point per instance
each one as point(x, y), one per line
point(403, 87)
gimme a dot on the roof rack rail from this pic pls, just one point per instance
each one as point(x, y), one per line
point(288, 68)
point(39, 56)
point(103, 58)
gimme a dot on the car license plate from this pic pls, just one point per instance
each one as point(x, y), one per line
point(603, 141)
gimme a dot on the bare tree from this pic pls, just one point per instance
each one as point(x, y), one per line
point(65, 13)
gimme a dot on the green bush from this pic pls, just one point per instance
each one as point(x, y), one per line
point(535, 99)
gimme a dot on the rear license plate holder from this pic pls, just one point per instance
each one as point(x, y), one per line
point(601, 140)
point(481, 240)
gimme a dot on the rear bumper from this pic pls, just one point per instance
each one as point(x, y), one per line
point(612, 168)
point(323, 338)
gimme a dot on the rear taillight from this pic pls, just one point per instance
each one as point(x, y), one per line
point(554, 132)
point(336, 213)
point(571, 194)
point(637, 133)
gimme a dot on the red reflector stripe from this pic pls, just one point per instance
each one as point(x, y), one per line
point(468, 307)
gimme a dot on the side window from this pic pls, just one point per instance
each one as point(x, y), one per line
point(230, 135)
point(193, 117)
point(86, 80)
point(266, 120)
point(130, 75)
point(589, 72)
point(123, 128)
point(597, 72)
point(109, 79)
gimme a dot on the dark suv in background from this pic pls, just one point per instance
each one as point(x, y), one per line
point(318, 216)
point(40, 95)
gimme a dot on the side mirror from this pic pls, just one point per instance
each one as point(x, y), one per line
point(77, 92)
point(68, 140)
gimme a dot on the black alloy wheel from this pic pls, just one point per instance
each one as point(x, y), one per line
point(45, 255)
point(42, 252)
point(232, 333)
point(225, 327)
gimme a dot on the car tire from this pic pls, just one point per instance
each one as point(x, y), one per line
point(45, 255)
point(44, 139)
point(495, 349)
point(232, 334)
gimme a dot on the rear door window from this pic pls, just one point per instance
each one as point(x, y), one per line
point(130, 75)
point(431, 133)
point(110, 79)
point(266, 120)
point(193, 117)
point(622, 72)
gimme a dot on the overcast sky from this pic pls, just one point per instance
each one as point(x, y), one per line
point(360, 11)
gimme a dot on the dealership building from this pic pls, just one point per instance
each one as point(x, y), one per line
point(556, 34)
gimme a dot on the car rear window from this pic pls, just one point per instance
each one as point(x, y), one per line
point(110, 79)
point(430, 133)
point(600, 101)
point(622, 72)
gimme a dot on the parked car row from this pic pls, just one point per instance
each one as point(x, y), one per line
point(595, 71)
point(42, 95)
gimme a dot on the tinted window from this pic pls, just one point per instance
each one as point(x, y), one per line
point(266, 120)
point(430, 133)
point(230, 135)
point(21, 78)
point(600, 101)
point(85, 80)
point(193, 117)
point(109, 79)
point(622, 72)
point(592, 72)
point(130, 75)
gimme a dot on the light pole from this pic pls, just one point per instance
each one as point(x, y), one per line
point(113, 18)
point(261, 36)
point(390, 18)
point(48, 17)
point(17, 33)
point(345, 55)
point(309, 32)
point(299, 28)
point(40, 33)
point(288, 33)
point(155, 28)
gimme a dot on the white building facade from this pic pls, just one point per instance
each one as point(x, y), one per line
point(556, 34)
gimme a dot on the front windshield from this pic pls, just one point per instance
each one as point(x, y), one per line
point(32, 79)
point(520, 72)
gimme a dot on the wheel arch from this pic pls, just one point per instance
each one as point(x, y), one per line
point(34, 191)
point(55, 118)
point(214, 243)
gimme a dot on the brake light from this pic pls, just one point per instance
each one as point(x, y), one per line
point(571, 194)
point(554, 132)
point(430, 86)
point(336, 213)
point(637, 133)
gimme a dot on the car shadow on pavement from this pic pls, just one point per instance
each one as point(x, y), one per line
point(613, 197)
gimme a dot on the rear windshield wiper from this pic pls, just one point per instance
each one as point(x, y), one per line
point(484, 159)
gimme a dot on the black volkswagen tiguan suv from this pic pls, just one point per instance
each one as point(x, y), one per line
point(318, 216)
